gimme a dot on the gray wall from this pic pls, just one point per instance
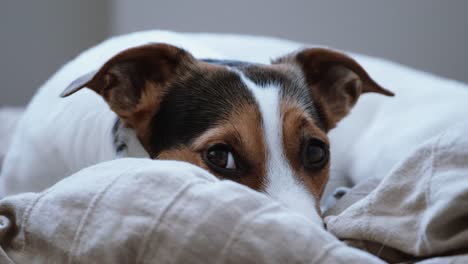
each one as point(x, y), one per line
point(37, 37)
point(428, 34)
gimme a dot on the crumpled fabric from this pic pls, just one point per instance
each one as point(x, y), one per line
point(145, 211)
point(418, 211)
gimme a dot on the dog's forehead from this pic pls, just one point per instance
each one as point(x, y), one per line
point(289, 79)
point(208, 96)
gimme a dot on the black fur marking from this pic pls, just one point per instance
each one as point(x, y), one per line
point(194, 105)
point(120, 144)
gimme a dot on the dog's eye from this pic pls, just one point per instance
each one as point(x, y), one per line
point(315, 154)
point(220, 157)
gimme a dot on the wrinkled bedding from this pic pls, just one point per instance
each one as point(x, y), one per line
point(409, 204)
point(143, 211)
point(418, 210)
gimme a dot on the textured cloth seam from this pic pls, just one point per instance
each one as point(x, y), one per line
point(239, 229)
point(427, 192)
point(89, 210)
point(327, 252)
point(27, 215)
point(158, 220)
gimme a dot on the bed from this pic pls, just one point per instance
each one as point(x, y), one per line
point(404, 160)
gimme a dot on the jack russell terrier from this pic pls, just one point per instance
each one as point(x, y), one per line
point(261, 125)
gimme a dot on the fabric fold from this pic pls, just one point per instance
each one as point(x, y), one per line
point(419, 209)
point(146, 211)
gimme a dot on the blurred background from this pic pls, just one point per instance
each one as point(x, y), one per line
point(37, 37)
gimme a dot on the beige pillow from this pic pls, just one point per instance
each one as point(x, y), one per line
point(145, 211)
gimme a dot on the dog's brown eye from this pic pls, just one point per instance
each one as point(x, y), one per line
point(315, 154)
point(220, 157)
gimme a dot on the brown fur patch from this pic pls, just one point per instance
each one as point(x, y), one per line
point(134, 81)
point(139, 116)
point(243, 132)
point(335, 80)
point(297, 125)
point(183, 154)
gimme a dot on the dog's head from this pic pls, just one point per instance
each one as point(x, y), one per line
point(264, 126)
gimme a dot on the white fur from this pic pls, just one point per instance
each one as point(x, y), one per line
point(281, 183)
point(133, 148)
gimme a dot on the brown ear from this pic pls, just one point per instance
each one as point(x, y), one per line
point(335, 81)
point(134, 81)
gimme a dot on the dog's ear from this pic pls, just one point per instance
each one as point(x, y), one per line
point(134, 81)
point(335, 81)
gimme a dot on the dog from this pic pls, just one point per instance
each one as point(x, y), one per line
point(262, 125)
